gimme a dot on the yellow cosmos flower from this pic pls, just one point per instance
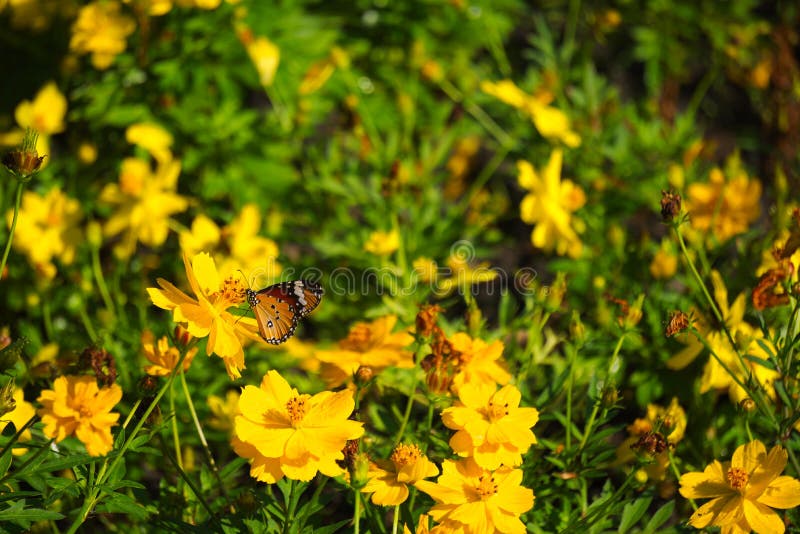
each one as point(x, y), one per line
point(480, 363)
point(367, 345)
point(264, 54)
point(162, 356)
point(208, 314)
point(321, 71)
point(715, 376)
point(223, 411)
point(389, 480)
point(425, 268)
point(724, 207)
point(551, 122)
point(45, 113)
point(669, 422)
point(743, 491)
point(423, 526)
point(286, 433)
point(382, 243)
point(19, 416)
point(549, 207)
point(77, 406)
point(144, 202)
point(473, 500)
point(155, 8)
point(490, 426)
point(101, 30)
point(665, 261)
point(153, 138)
point(47, 228)
point(236, 246)
point(463, 274)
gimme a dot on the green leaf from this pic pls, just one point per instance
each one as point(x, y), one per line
point(632, 512)
point(123, 504)
point(658, 519)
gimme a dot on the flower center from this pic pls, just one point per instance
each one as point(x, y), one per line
point(296, 408)
point(359, 339)
point(496, 411)
point(737, 478)
point(85, 411)
point(232, 292)
point(131, 184)
point(486, 486)
point(405, 455)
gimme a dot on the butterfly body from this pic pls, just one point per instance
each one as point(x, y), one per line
point(278, 308)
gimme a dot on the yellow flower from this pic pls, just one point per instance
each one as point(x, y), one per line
point(77, 406)
point(479, 362)
point(389, 480)
point(223, 411)
point(549, 206)
point(101, 30)
point(425, 268)
point(669, 422)
point(367, 345)
point(551, 122)
point(35, 15)
point(724, 207)
point(490, 426)
point(47, 228)
point(665, 261)
point(208, 314)
point(473, 500)
point(153, 138)
point(264, 54)
point(382, 243)
point(87, 153)
point(463, 274)
point(743, 491)
point(292, 434)
point(144, 202)
point(422, 526)
point(163, 357)
point(154, 8)
point(715, 376)
point(236, 246)
point(45, 113)
point(19, 416)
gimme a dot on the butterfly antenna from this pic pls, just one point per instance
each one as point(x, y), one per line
point(246, 281)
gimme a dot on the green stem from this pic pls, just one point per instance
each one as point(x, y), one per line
point(101, 281)
point(176, 440)
point(357, 512)
point(478, 114)
point(677, 474)
point(396, 519)
point(407, 413)
point(570, 384)
point(87, 322)
point(287, 524)
point(93, 494)
point(203, 440)
point(482, 178)
point(583, 524)
point(17, 203)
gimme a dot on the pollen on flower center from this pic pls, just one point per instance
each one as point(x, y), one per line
point(359, 338)
point(131, 184)
point(737, 478)
point(486, 487)
point(496, 411)
point(405, 455)
point(232, 291)
point(85, 411)
point(296, 408)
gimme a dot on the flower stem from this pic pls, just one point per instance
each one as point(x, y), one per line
point(396, 518)
point(17, 203)
point(101, 281)
point(176, 440)
point(204, 442)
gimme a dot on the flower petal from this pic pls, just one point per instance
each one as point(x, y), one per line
point(783, 492)
point(762, 519)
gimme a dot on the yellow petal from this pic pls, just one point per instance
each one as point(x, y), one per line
point(783, 492)
point(762, 519)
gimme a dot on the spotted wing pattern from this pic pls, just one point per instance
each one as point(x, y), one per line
point(279, 307)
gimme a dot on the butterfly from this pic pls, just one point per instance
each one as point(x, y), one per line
point(280, 307)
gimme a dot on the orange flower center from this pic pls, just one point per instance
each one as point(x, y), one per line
point(359, 339)
point(496, 411)
point(486, 486)
point(232, 291)
point(405, 455)
point(131, 184)
point(296, 408)
point(85, 411)
point(737, 478)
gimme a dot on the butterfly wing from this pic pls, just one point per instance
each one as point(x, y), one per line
point(278, 308)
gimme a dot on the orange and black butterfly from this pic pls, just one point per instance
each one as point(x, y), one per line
point(280, 307)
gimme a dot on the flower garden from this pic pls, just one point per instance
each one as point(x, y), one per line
point(371, 266)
